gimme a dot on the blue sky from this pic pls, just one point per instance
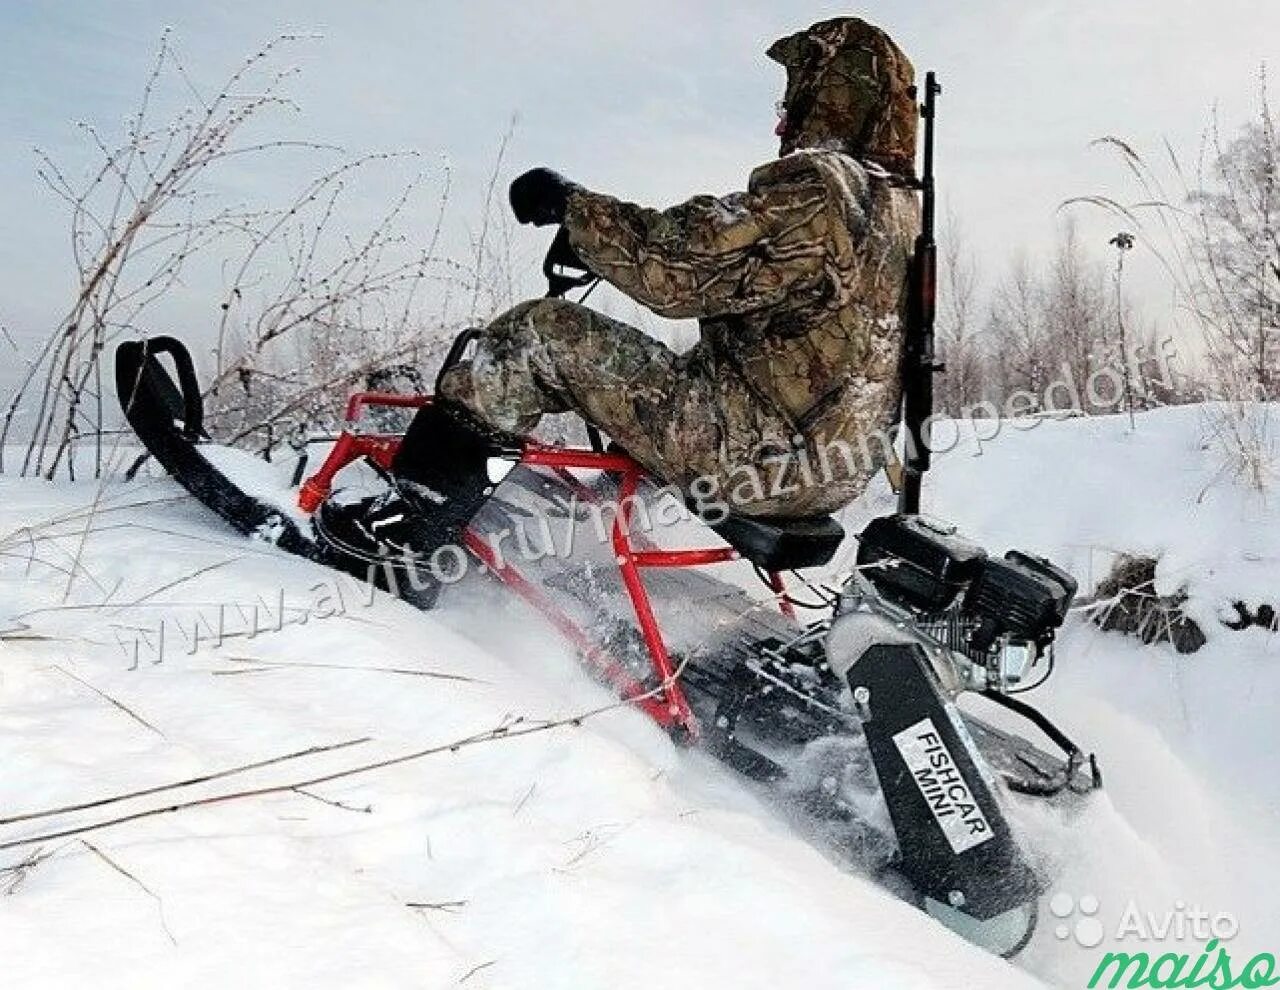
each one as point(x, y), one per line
point(652, 101)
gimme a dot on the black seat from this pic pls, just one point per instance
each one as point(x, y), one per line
point(782, 544)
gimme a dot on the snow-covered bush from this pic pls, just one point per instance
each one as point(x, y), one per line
point(1126, 601)
point(1215, 229)
point(303, 302)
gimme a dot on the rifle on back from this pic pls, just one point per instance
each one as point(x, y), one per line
point(919, 360)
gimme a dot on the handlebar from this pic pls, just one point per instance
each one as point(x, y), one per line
point(561, 257)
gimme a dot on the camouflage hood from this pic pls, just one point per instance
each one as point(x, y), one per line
point(849, 88)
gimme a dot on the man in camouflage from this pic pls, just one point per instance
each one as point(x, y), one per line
point(799, 284)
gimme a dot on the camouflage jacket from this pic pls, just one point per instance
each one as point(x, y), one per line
point(800, 284)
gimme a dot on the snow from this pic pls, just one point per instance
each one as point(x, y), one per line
point(1191, 811)
point(1081, 491)
point(1101, 488)
point(587, 856)
point(580, 857)
point(270, 482)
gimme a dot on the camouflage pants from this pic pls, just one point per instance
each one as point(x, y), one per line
point(689, 423)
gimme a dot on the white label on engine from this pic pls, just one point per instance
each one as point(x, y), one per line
point(945, 792)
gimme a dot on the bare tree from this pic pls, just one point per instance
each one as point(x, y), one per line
point(958, 325)
point(309, 306)
point(1238, 204)
point(1017, 352)
point(312, 308)
point(1212, 228)
point(1163, 374)
point(1052, 332)
point(1076, 308)
point(135, 224)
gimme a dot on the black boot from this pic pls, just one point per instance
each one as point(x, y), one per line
point(442, 468)
point(440, 478)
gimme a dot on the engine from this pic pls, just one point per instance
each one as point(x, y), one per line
point(1001, 612)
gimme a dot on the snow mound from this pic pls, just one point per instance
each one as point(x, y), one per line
point(586, 856)
point(142, 643)
point(1081, 491)
point(1191, 810)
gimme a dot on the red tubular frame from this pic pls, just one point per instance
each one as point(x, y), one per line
point(379, 448)
point(359, 400)
point(662, 698)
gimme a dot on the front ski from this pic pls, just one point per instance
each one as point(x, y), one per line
point(168, 417)
point(169, 420)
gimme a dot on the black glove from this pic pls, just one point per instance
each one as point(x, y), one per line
point(540, 196)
